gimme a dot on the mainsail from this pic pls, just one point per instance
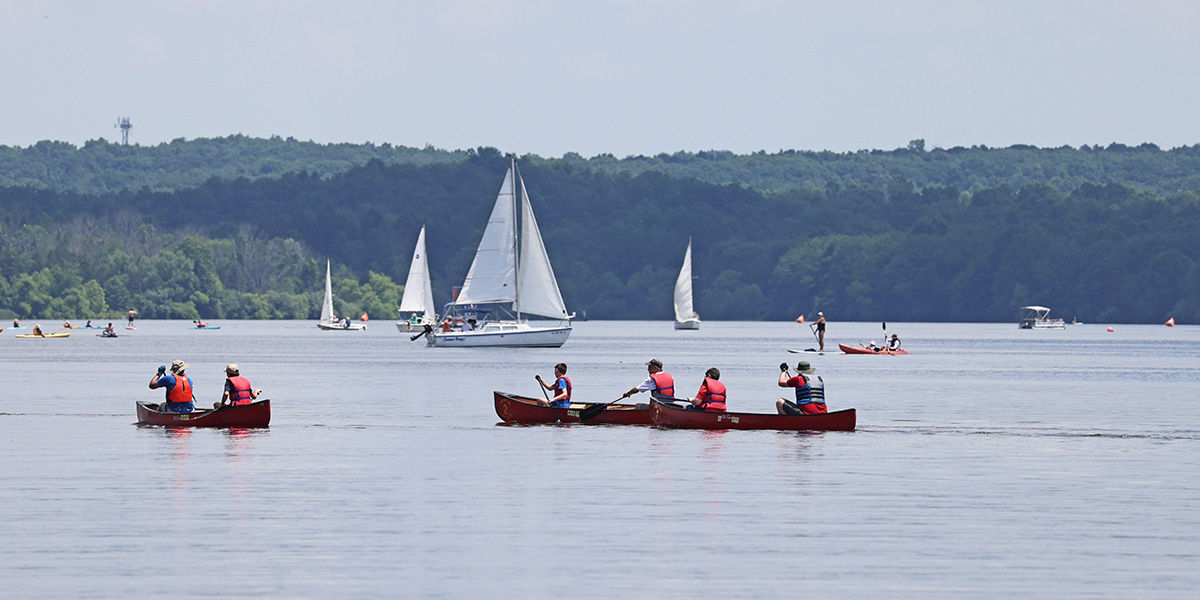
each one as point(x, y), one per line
point(683, 289)
point(492, 277)
point(418, 292)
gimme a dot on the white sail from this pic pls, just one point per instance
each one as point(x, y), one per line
point(684, 310)
point(327, 306)
point(537, 288)
point(492, 277)
point(418, 293)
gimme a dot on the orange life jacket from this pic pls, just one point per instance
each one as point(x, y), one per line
point(564, 378)
point(241, 391)
point(714, 400)
point(182, 390)
point(664, 384)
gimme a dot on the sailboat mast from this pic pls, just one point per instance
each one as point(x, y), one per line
point(516, 241)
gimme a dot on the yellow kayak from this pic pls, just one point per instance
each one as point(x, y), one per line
point(48, 335)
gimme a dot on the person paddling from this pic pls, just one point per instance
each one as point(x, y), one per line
point(810, 391)
point(180, 397)
point(561, 387)
point(238, 391)
point(711, 397)
point(660, 384)
point(109, 331)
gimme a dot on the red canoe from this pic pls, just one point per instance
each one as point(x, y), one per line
point(526, 411)
point(666, 415)
point(255, 414)
point(860, 350)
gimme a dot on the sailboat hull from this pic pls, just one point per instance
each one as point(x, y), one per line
point(410, 327)
point(689, 324)
point(512, 335)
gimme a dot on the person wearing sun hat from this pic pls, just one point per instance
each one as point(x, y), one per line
point(810, 391)
point(238, 391)
point(180, 397)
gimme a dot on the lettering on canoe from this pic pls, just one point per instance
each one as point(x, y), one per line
point(730, 418)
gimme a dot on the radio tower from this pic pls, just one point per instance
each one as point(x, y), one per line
point(125, 125)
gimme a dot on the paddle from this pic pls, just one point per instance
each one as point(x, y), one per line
point(547, 397)
point(594, 410)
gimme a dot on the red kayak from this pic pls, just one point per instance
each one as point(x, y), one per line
point(255, 414)
point(668, 415)
point(861, 350)
point(526, 411)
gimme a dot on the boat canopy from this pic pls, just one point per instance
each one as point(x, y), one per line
point(1037, 308)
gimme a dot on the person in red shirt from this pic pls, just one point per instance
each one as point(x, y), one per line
point(810, 391)
point(711, 396)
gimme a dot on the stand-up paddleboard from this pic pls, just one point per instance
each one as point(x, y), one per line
point(806, 350)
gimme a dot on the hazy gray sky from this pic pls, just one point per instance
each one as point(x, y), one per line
point(623, 77)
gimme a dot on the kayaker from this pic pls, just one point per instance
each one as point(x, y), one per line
point(89, 324)
point(180, 397)
point(561, 387)
point(810, 391)
point(109, 331)
point(67, 325)
point(894, 342)
point(37, 330)
point(238, 391)
point(711, 397)
point(821, 331)
point(660, 384)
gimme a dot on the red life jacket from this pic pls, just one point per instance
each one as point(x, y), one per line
point(714, 399)
point(182, 391)
point(241, 391)
point(564, 378)
point(664, 384)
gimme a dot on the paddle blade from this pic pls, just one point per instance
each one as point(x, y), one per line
point(592, 412)
point(885, 325)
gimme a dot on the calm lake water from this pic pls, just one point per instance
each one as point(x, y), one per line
point(991, 462)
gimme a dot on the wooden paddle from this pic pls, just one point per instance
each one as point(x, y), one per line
point(557, 418)
point(594, 410)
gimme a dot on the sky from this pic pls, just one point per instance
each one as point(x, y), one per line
point(622, 77)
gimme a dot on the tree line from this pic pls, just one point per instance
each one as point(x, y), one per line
point(879, 247)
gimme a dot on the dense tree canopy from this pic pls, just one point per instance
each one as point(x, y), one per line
point(912, 234)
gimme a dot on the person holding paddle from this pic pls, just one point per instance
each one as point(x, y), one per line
point(810, 391)
point(561, 387)
point(238, 391)
point(180, 396)
point(820, 324)
point(711, 396)
point(660, 384)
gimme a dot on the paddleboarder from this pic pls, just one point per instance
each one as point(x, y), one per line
point(660, 384)
point(131, 316)
point(820, 331)
point(810, 391)
point(561, 388)
point(180, 397)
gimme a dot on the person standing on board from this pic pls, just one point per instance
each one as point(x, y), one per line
point(821, 331)
point(711, 397)
point(660, 384)
point(810, 391)
point(238, 391)
point(131, 315)
point(561, 388)
point(180, 395)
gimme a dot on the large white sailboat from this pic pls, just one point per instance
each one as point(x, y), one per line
point(329, 320)
point(511, 271)
point(417, 301)
point(685, 313)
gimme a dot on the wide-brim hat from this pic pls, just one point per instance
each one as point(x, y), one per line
point(178, 366)
point(804, 367)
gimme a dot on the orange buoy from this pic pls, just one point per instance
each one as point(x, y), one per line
point(1110, 329)
point(1170, 322)
point(801, 319)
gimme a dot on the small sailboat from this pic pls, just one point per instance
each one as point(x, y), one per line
point(685, 313)
point(417, 301)
point(329, 320)
point(513, 273)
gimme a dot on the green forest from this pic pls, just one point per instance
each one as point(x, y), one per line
point(241, 227)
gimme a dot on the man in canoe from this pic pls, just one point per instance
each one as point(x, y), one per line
point(711, 396)
point(561, 388)
point(810, 391)
point(238, 391)
point(660, 384)
point(180, 395)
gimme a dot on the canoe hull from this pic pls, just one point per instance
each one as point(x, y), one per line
point(512, 408)
point(856, 350)
point(665, 415)
point(256, 414)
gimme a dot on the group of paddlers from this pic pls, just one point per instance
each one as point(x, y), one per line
point(180, 396)
point(809, 389)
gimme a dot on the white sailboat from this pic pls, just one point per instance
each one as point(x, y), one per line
point(329, 320)
point(417, 301)
point(685, 313)
point(512, 271)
